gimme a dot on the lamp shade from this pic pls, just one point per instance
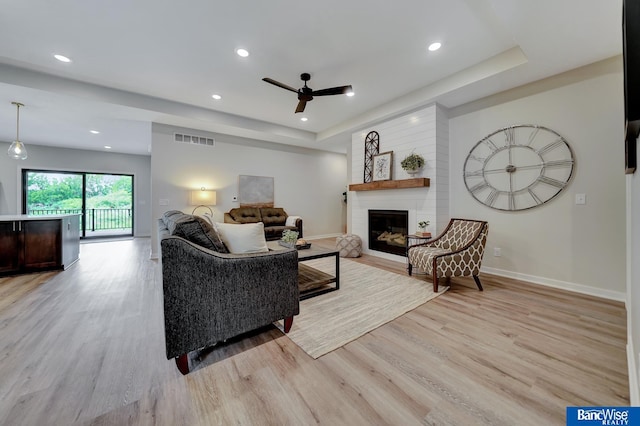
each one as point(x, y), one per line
point(17, 151)
point(203, 197)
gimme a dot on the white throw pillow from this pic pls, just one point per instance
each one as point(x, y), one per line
point(243, 238)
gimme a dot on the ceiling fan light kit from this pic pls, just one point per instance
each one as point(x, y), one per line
point(306, 94)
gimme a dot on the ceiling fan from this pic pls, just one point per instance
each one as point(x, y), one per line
point(306, 94)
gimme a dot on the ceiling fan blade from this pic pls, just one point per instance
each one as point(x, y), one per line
point(301, 105)
point(333, 91)
point(277, 83)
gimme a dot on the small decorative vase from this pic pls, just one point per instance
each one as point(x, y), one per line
point(413, 172)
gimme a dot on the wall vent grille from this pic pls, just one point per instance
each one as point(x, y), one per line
point(196, 140)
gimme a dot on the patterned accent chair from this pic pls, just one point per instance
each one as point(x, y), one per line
point(457, 252)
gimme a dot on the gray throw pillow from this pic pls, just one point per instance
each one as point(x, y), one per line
point(200, 232)
point(171, 217)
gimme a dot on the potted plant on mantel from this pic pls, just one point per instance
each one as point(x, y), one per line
point(412, 163)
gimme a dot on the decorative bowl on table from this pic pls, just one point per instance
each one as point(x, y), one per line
point(287, 244)
point(299, 244)
point(302, 244)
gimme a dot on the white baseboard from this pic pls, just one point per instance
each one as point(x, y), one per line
point(318, 237)
point(563, 285)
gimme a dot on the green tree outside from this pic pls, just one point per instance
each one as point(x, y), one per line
point(53, 193)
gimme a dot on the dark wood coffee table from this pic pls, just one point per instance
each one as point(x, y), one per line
point(311, 281)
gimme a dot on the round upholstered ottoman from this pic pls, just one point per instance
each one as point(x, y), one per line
point(349, 245)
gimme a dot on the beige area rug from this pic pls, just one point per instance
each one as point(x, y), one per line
point(368, 298)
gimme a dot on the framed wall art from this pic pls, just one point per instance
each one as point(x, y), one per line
point(382, 165)
point(255, 191)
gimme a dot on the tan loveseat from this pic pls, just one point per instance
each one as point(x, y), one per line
point(275, 220)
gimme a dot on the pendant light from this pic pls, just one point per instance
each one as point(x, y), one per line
point(17, 150)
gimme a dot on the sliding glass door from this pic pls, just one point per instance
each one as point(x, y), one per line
point(105, 201)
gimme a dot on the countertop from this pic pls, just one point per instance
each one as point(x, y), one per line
point(8, 218)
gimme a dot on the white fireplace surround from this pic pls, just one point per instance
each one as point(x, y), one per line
point(425, 132)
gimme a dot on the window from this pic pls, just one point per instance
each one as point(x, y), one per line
point(105, 201)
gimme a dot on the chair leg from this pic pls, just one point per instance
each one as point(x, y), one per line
point(434, 275)
point(182, 362)
point(288, 322)
point(477, 280)
point(409, 269)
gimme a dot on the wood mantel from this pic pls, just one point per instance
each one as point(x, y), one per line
point(390, 184)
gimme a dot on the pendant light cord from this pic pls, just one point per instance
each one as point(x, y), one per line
point(18, 105)
point(18, 123)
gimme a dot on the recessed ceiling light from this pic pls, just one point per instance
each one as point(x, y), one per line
point(62, 58)
point(242, 52)
point(95, 132)
point(435, 46)
point(107, 147)
point(304, 119)
point(216, 97)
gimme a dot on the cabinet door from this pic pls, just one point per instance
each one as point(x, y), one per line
point(70, 240)
point(9, 246)
point(42, 244)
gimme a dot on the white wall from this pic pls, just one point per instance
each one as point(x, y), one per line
point(633, 285)
point(424, 132)
point(49, 158)
point(577, 247)
point(308, 183)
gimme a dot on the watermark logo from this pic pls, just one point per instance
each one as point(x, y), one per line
point(603, 416)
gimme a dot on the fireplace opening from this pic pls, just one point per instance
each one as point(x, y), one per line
point(388, 231)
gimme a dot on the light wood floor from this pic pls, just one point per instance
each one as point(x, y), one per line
point(86, 346)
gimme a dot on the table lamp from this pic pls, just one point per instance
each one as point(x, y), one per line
point(203, 198)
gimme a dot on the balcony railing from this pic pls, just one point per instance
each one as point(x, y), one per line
point(95, 219)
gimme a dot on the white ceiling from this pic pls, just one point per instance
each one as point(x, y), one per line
point(143, 61)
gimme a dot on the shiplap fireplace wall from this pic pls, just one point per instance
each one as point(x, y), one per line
point(426, 132)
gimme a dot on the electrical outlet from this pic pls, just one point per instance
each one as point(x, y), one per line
point(163, 202)
point(497, 252)
point(581, 198)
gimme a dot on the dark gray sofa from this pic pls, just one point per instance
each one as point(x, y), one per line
point(210, 296)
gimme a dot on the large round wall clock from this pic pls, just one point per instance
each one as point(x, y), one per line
point(518, 167)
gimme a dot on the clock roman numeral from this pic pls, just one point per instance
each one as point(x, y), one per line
point(512, 201)
point(478, 159)
point(510, 136)
point(553, 145)
point(491, 198)
point(492, 146)
point(479, 187)
point(559, 163)
point(551, 181)
point(475, 173)
point(534, 196)
point(532, 136)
